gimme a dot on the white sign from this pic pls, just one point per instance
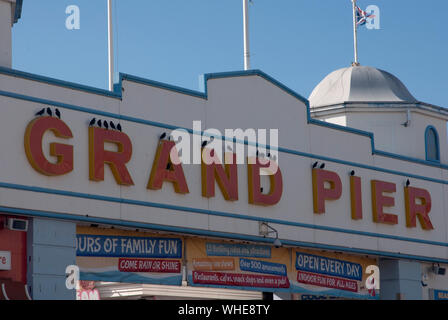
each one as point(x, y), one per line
point(5, 260)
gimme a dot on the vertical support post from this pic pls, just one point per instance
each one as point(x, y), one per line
point(110, 45)
point(246, 35)
point(355, 33)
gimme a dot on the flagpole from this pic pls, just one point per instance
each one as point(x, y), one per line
point(246, 35)
point(355, 34)
point(110, 45)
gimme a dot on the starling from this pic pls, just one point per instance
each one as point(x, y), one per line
point(50, 113)
point(58, 113)
point(322, 166)
point(41, 112)
point(162, 136)
point(106, 125)
point(119, 127)
point(99, 123)
point(112, 126)
point(92, 122)
point(204, 143)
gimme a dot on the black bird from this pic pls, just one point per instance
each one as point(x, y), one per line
point(50, 113)
point(99, 123)
point(162, 136)
point(41, 112)
point(92, 122)
point(408, 183)
point(352, 173)
point(119, 127)
point(106, 125)
point(112, 126)
point(204, 143)
point(322, 166)
point(315, 164)
point(58, 113)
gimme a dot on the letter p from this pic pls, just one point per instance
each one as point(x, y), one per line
point(320, 192)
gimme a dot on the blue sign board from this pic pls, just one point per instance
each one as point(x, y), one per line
point(262, 267)
point(328, 266)
point(440, 295)
point(120, 246)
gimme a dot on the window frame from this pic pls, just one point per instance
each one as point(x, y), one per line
point(437, 145)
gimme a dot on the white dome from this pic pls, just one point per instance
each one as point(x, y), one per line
point(359, 84)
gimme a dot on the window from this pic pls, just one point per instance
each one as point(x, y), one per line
point(432, 144)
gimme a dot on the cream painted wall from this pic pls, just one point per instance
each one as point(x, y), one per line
point(234, 102)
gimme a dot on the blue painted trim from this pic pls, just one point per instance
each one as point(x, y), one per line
point(206, 233)
point(118, 94)
point(436, 135)
point(18, 11)
point(59, 83)
point(214, 213)
point(162, 85)
point(88, 110)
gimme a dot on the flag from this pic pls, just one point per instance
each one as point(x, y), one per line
point(362, 16)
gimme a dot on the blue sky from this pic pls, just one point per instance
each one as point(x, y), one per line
point(298, 42)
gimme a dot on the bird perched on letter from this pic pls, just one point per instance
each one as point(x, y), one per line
point(41, 112)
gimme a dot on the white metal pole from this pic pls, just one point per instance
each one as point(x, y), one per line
point(355, 33)
point(246, 35)
point(110, 45)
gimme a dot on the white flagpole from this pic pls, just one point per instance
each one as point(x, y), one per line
point(246, 35)
point(355, 34)
point(110, 45)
